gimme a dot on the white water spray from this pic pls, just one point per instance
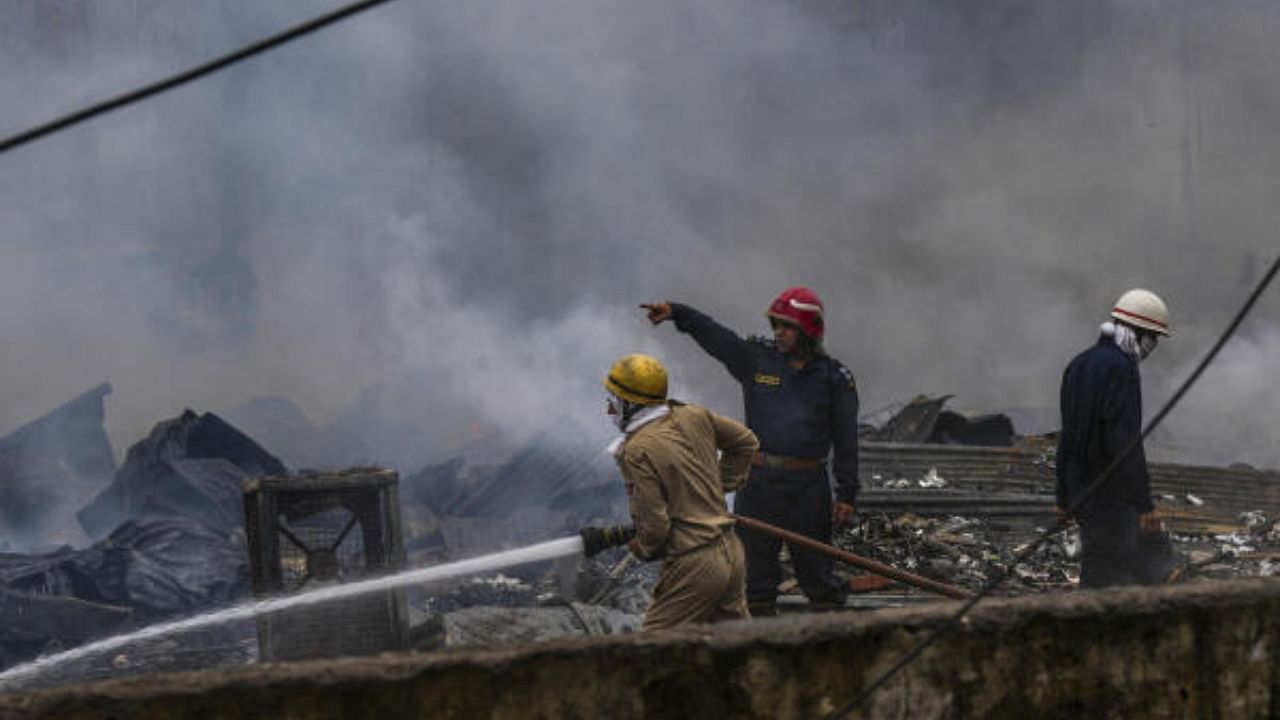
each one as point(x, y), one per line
point(543, 551)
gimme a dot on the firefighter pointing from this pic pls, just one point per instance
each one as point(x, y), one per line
point(802, 404)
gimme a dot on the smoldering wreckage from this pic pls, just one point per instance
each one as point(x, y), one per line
point(201, 516)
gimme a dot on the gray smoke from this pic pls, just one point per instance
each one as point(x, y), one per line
point(453, 207)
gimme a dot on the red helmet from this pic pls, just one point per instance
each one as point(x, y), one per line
point(802, 307)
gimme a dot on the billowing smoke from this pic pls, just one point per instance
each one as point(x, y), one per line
point(448, 210)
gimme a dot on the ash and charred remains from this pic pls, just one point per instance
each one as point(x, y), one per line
point(173, 540)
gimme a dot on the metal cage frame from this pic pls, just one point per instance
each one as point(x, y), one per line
point(376, 622)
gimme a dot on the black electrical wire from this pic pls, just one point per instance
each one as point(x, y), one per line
point(1063, 520)
point(187, 76)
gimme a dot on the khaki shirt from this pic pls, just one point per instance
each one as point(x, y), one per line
point(676, 481)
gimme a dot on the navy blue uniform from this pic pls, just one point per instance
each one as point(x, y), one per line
point(806, 414)
point(1101, 401)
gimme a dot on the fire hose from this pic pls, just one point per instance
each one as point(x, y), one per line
point(867, 564)
point(598, 539)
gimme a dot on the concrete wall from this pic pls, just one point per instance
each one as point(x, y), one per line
point(1200, 651)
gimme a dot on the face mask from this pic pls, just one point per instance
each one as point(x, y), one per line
point(1146, 343)
point(616, 408)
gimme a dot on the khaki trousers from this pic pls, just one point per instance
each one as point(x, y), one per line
point(707, 584)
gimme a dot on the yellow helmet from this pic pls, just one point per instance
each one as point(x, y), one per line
point(639, 379)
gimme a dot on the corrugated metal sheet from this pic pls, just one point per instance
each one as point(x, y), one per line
point(1226, 492)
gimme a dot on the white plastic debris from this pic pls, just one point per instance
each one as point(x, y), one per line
point(1194, 500)
point(1237, 540)
point(1253, 518)
point(1071, 543)
point(500, 580)
point(932, 480)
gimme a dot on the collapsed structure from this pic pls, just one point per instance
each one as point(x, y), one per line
point(171, 535)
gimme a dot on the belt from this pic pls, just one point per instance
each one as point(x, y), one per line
point(725, 532)
point(782, 462)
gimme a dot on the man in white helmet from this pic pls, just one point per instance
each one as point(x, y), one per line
point(1101, 401)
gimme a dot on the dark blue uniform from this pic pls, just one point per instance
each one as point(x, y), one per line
point(801, 415)
point(1101, 402)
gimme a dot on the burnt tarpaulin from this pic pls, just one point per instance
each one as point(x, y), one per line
point(991, 430)
point(50, 467)
point(205, 490)
point(188, 467)
point(157, 567)
point(147, 570)
point(913, 423)
point(31, 624)
point(925, 420)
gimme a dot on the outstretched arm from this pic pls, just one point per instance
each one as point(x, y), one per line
point(719, 341)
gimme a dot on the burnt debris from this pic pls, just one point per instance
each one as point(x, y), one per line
point(189, 467)
point(947, 496)
point(546, 487)
point(926, 420)
point(49, 466)
point(147, 570)
point(170, 529)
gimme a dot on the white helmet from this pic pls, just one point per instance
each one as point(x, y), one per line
point(1143, 309)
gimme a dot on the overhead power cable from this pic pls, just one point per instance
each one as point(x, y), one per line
point(1004, 573)
point(187, 76)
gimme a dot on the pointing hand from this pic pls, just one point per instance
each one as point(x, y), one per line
point(658, 312)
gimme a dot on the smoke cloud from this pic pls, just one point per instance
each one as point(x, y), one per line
point(448, 211)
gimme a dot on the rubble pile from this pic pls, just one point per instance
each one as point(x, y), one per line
point(169, 530)
point(148, 570)
point(578, 597)
point(964, 551)
point(946, 496)
point(917, 529)
point(1251, 549)
point(189, 467)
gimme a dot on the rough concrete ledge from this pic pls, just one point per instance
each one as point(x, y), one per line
point(1198, 651)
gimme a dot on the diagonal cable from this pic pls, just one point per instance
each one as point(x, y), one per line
point(951, 622)
point(187, 76)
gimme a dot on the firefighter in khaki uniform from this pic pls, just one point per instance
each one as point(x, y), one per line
point(676, 484)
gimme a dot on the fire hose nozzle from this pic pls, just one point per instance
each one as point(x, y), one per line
point(598, 539)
